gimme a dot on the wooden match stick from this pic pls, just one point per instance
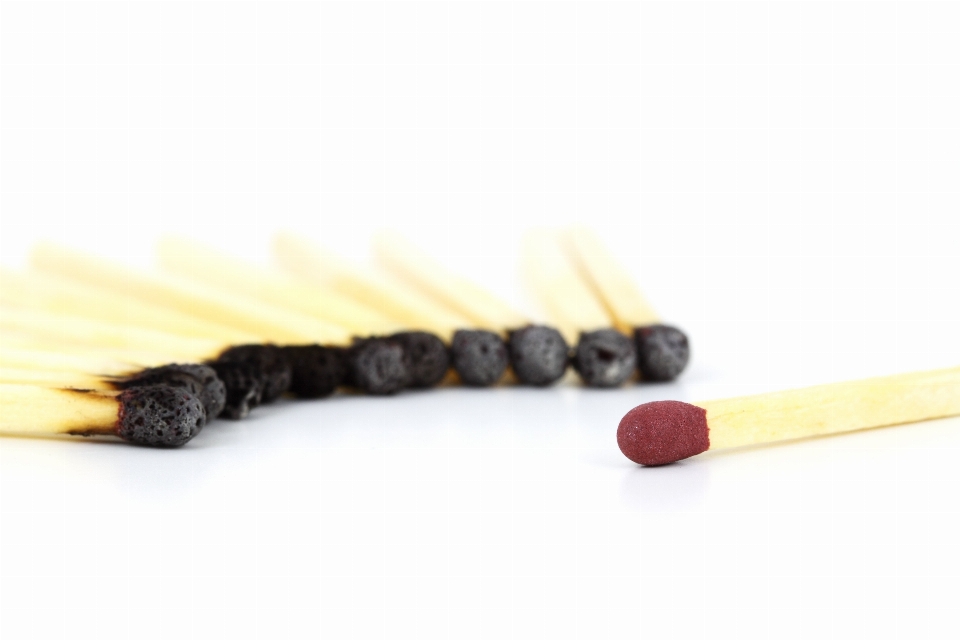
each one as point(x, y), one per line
point(199, 263)
point(603, 357)
point(662, 350)
point(538, 354)
point(60, 369)
point(31, 290)
point(157, 416)
point(270, 324)
point(478, 356)
point(666, 431)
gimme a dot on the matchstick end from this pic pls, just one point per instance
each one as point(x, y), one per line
point(425, 356)
point(662, 352)
point(539, 355)
point(604, 358)
point(662, 432)
point(159, 416)
point(479, 357)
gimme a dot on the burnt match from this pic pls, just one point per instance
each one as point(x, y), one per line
point(154, 416)
point(662, 350)
point(666, 431)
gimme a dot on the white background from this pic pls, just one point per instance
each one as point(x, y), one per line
point(781, 177)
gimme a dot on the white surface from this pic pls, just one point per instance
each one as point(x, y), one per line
point(780, 176)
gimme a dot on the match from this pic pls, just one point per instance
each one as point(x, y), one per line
point(538, 354)
point(60, 369)
point(370, 363)
point(662, 350)
point(658, 433)
point(603, 357)
point(479, 357)
point(143, 348)
point(155, 416)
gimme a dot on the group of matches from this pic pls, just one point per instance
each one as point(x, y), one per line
point(92, 348)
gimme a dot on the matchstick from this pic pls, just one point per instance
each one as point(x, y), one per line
point(31, 290)
point(478, 356)
point(662, 350)
point(603, 357)
point(246, 379)
point(538, 354)
point(666, 431)
point(156, 416)
point(425, 359)
point(59, 369)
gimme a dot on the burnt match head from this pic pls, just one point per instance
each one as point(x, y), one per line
point(662, 352)
point(539, 355)
point(198, 379)
point(242, 382)
point(377, 366)
point(317, 370)
point(662, 432)
point(159, 416)
point(425, 356)
point(604, 358)
point(479, 357)
point(274, 370)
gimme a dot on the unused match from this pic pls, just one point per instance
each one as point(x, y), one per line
point(666, 431)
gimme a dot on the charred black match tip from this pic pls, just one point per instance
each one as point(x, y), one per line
point(317, 370)
point(198, 379)
point(377, 366)
point(159, 416)
point(479, 357)
point(662, 352)
point(539, 355)
point(425, 356)
point(242, 382)
point(274, 370)
point(604, 358)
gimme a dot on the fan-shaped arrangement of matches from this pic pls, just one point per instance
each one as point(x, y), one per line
point(93, 348)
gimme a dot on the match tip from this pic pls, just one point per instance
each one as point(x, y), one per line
point(539, 355)
point(662, 432)
point(425, 356)
point(275, 372)
point(159, 416)
point(662, 352)
point(317, 370)
point(243, 388)
point(377, 366)
point(604, 358)
point(198, 379)
point(479, 357)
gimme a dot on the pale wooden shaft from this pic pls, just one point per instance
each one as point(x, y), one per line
point(63, 361)
point(92, 333)
point(402, 258)
point(616, 288)
point(59, 295)
point(54, 379)
point(63, 345)
point(833, 408)
point(323, 269)
point(553, 280)
point(200, 263)
point(188, 297)
point(37, 411)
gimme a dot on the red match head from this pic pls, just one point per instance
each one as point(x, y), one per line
point(663, 432)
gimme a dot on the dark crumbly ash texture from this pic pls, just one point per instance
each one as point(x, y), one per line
point(274, 370)
point(377, 366)
point(317, 371)
point(425, 356)
point(159, 416)
point(198, 379)
point(479, 357)
point(539, 355)
point(662, 352)
point(242, 381)
point(604, 358)
point(662, 432)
